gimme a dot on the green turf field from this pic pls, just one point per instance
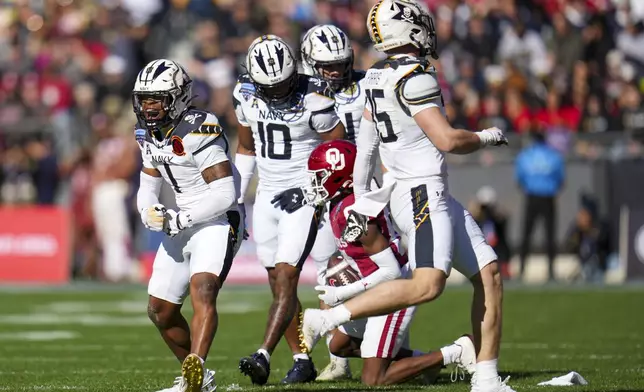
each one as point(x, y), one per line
point(99, 339)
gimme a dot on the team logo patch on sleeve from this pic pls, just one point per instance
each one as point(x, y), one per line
point(247, 90)
point(177, 146)
point(139, 135)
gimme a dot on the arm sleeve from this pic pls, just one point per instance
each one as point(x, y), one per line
point(148, 193)
point(220, 197)
point(420, 91)
point(388, 269)
point(246, 166)
point(367, 145)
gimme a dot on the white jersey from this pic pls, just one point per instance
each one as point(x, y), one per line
point(349, 103)
point(284, 138)
point(195, 143)
point(397, 88)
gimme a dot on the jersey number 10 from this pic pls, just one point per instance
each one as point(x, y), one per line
point(267, 137)
point(389, 135)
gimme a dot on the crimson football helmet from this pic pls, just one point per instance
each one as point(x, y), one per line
point(331, 168)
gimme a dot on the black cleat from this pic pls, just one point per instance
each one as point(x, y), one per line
point(256, 367)
point(302, 371)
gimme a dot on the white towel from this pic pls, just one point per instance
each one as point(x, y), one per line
point(371, 203)
point(572, 378)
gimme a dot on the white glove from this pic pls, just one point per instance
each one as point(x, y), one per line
point(171, 224)
point(492, 137)
point(328, 294)
point(333, 296)
point(153, 217)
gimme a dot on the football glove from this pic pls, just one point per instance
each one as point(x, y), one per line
point(356, 227)
point(290, 200)
point(153, 217)
point(175, 222)
point(492, 137)
point(328, 294)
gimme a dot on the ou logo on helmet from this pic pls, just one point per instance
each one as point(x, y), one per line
point(335, 158)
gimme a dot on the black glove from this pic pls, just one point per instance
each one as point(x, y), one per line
point(290, 200)
point(242, 209)
point(356, 227)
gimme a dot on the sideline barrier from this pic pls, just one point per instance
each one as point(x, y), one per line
point(34, 245)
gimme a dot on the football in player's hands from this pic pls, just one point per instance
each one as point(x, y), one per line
point(340, 273)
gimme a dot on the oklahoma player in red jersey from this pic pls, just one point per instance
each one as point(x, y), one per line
point(381, 341)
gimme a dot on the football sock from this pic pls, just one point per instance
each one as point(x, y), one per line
point(486, 371)
point(265, 354)
point(451, 353)
point(301, 356)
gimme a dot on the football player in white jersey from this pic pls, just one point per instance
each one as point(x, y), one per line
point(405, 120)
point(186, 148)
point(283, 116)
point(326, 52)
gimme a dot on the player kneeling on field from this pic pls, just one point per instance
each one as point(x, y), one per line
point(380, 340)
point(187, 149)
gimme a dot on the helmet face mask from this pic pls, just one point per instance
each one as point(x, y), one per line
point(162, 93)
point(327, 52)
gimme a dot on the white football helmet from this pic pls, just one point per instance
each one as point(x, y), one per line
point(325, 45)
point(395, 23)
point(272, 68)
point(167, 81)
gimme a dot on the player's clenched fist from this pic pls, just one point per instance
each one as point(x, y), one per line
point(492, 137)
point(154, 217)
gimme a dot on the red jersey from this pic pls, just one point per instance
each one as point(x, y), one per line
point(354, 251)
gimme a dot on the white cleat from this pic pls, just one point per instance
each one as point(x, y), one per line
point(193, 373)
point(180, 384)
point(314, 326)
point(496, 385)
point(467, 359)
point(337, 369)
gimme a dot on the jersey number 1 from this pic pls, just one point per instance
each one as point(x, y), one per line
point(267, 137)
point(383, 117)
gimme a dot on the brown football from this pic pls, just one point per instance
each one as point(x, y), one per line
point(340, 273)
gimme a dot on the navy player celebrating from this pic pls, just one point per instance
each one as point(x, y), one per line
point(327, 53)
point(282, 117)
point(186, 148)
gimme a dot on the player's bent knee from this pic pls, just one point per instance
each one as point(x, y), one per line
point(371, 379)
point(489, 278)
point(162, 313)
point(204, 288)
point(428, 284)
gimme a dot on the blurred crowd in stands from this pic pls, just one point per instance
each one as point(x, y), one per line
point(567, 68)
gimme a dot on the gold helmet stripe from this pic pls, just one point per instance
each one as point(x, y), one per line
point(375, 29)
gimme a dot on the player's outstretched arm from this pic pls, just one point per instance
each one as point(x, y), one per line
point(453, 140)
point(422, 95)
point(367, 146)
